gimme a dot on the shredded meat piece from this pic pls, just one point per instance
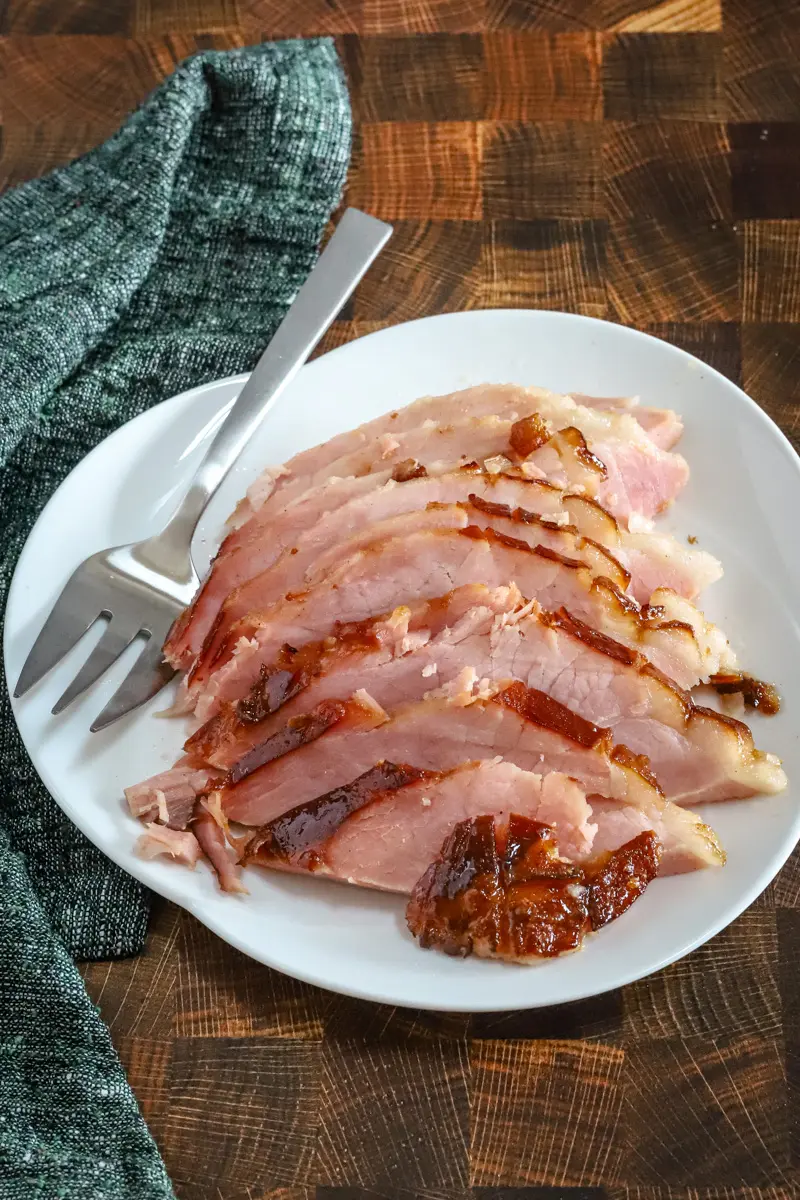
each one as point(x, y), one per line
point(409, 468)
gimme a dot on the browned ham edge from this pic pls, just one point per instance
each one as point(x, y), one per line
point(501, 890)
point(296, 838)
point(299, 731)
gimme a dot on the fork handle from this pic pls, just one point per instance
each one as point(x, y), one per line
point(356, 242)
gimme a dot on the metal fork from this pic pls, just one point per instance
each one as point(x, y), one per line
point(142, 587)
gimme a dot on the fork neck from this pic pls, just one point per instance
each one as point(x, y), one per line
point(170, 550)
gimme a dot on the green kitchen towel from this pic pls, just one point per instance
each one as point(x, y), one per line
point(162, 259)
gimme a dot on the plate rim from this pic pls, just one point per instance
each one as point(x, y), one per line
point(159, 881)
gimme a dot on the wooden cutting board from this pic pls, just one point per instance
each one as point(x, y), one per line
point(631, 160)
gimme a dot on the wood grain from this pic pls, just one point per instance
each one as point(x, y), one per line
point(543, 77)
point(771, 283)
point(629, 159)
point(668, 75)
point(671, 170)
point(545, 264)
point(761, 50)
point(547, 169)
point(546, 1112)
point(419, 169)
point(672, 271)
point(702, 1112)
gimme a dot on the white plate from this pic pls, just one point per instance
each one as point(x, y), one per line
point(742, 504)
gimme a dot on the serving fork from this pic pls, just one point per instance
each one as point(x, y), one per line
point(142, 587)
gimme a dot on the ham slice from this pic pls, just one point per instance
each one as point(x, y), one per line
point(269, 589)
point(211, 835)
point(383, 829)
point(647, 490)
point(532, 510)
point(662, 425)
point(425, 565)
point(244, 552)
point(336, 666)
point(280, 556)
point(168, 797)
point(500, 889)
point(518, 724)
point(697, 755)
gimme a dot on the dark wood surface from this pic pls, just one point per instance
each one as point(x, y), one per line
point(622, 158)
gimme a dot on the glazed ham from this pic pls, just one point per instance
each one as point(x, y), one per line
point(532, 510)
point(382, 829)
point(429, 564)
point(456, 634)
point(499, 888)
point(696, 754)
point(385, 828)
point(662, 425)
point(278, 560)
point(518, 724)
point(614, 436)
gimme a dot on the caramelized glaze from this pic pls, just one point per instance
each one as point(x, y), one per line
point(298, 837)
point(297, 732)
point(529, 434)
point(541, 709)
point(409, 468)
point(506, 892)
point(762, 696)
point(621, 877)
point(575, 439)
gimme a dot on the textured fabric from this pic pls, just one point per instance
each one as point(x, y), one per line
point(163, 259)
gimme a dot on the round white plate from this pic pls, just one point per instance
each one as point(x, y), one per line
point(742, 504)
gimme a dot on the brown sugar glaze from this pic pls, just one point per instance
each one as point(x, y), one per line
point(506, 893)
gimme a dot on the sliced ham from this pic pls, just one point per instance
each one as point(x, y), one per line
point(697, 755)
point(337, 666)
point(271, 588)
point(278, 558)
point(518, 724)
point(428, 564)
point(181, 845)
point(647, 491)
point(240, 558)
point(535, 511)
point(383, 829)
point(662, 425)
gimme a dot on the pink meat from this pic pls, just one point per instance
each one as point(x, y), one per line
point(160, 839)
point(696, 754)
point(277, 559)
point(425, 565)
point(218, 851)
point(282, 580)
point(662, 425)
point(375, 835)
point(389, 843)
point(503, 401)
point(525, 727)
point(169, 796)
point(241, 556)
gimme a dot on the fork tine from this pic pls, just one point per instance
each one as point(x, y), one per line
point(116, 638)
point(146, 678)
point(68, 621)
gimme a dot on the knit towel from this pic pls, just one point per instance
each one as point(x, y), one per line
point(161, 260)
